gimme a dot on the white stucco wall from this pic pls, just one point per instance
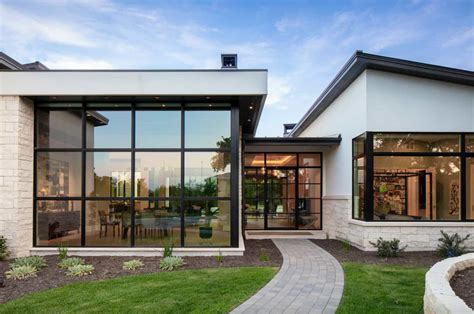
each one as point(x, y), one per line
point(347, 116)
point(405, 103)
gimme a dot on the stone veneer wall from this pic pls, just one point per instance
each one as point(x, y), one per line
point(16, 173)
point(419, 236)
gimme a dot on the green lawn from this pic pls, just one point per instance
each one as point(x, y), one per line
point(382, 289)
point(216, 290)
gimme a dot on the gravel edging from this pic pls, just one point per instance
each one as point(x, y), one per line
point(107, 267)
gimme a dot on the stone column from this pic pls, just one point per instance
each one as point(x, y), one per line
point(16, 173)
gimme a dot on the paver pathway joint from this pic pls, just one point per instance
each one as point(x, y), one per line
point(310, 281)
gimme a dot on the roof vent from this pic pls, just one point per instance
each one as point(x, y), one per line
point(229, 61)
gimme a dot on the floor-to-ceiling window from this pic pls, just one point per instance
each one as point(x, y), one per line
point(414, 177)
point(282, 191)
point(133, 174)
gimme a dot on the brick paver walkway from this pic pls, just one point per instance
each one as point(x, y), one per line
point(310, 281)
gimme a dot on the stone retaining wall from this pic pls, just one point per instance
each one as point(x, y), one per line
point(439, 297)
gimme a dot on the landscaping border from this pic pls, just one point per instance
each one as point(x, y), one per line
point(439, 296)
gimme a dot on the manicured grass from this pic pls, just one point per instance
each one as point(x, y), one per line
point(215, 290)
point(382, 289)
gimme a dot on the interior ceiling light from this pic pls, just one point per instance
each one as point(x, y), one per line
point(54, 97)
point(249, 120)
point(163, 105)
point(208, 97)
point(157, 97)
point(250, 107)
point(210, 105)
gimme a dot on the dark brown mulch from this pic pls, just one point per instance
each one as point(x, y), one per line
point(111, 266)
point(463, 285)
point(353, 254)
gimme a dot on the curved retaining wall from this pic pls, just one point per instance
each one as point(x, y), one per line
point(439, 297)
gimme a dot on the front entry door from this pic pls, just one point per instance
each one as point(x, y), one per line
point(281, 204)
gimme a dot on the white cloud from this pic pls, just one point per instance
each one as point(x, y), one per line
point(287, 23)
point(460, 37)
point(58, 62)
point(278, 90)
point(37, 27)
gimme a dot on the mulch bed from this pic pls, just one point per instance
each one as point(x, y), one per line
point(354, 255)
point(111, 266)
point(463, 285)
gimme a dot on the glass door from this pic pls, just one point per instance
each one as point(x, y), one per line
point(280, 211)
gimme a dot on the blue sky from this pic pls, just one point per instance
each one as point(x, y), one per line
point(303, 44)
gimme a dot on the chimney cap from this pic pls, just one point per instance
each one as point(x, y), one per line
point(229, 60)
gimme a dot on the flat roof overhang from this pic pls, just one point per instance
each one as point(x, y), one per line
point(247, 88)
point(290, 144)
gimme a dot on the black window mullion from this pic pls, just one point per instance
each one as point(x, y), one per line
point(182, 175)
point(369, 178)
point(83, 175)
point(132, 188)
point(463, 178)
point(35, 121)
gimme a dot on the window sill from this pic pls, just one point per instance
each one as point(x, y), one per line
point(411, 223)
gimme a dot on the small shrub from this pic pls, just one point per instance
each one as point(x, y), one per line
point(387, 248)
point(263, 257)
point(80, 270)
point(35, 261)
point(451, 245)
point(62, 251)
point(4, 251)
point(134, 264)
point(171, 263)
point(346, 245)
point(70, 262)
point(168, 249)
point(220, 257)
point(21, 272)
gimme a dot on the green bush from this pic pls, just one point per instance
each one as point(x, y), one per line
point(134, 264)
point(346, 245)
point(62, 251)
point(71, 261)
point(263, 257)
point(171, 263)
point(168, 249)
point(220, 257)
point(21, 272)
point(451, 245)
point(4, 251)
point(387, 248)
point(80, 270)
point(35, 261)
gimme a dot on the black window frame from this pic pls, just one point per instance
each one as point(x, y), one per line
point(297, 198)
point(232, 107)
point(369, 155)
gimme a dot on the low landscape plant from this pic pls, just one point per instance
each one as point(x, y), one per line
point(346, 245)
point(219, 257)
point(263, 257)
point(70, 261)
point(62, 251)
point(451, 245)
point(171, 263)
point(21, 272)
point(80, 270)
point(4, 251)
point(35, 261)
point(134, 264)
point(168, 249)
point(388, 248)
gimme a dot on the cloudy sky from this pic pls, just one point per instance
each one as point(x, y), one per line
point(303, 44)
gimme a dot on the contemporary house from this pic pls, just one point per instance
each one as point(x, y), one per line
point(126, 161)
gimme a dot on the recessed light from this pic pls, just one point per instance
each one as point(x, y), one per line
point(163, 105)
point(210, 105)
point(54, 97)
point(249, 120)
point(208, 97)
point(157, 97)
point(250, 107)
